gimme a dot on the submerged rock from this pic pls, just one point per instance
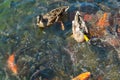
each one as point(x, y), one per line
point(44, 74)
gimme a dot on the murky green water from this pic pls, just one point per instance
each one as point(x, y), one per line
point(37, 49)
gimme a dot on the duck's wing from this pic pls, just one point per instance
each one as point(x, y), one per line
point(54, 15)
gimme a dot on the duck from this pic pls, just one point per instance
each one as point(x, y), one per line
point(79, 28)
point(55, 15)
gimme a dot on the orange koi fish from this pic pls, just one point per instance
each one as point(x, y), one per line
point(83, 76)
point(103, 21)
point(11, 65)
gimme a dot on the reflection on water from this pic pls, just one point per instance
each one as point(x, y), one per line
point(46, 53)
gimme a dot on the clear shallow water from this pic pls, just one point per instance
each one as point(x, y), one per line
point(38, 49)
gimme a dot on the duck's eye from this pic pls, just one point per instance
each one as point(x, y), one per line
point(45, 20)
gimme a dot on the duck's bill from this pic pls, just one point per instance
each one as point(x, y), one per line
point(40, 21)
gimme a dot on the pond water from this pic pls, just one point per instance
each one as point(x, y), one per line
point(49, 52)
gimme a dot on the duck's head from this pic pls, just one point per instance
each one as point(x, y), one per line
point(41, 22)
